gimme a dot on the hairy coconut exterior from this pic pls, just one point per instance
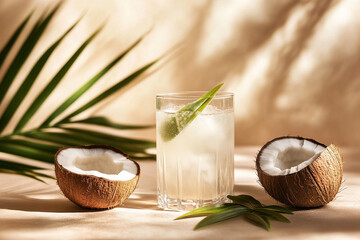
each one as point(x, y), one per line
point(94, 192)
point(313, 186)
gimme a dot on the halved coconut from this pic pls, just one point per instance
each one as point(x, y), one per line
point(96, 176)
point(300, 172)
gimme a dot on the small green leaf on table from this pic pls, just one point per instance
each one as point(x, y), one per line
point(259, 220)
point(242, 206)
point(245, 200)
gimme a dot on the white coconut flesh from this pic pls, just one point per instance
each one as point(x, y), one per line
point(98, 162)
point(288, 155)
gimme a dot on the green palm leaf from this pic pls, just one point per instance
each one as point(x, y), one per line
point(40, 146)
point(207, 210)
point(27, 152)
point(22, 169)
point(110, 137)
point(175, 124)
point(4, 52)
point(86, 86)
point(42, 142)
point(102, 121)
point(61, 139)
point(278, 209)
point(24, 52)
point(242, 206)
point(259, 220)
point(275, 215)
point(137, 149)
point(40, 99)
point(110, 91)
point(28, 82)
point(145, 157)
point(245, 200)
point(76, 138)
point(222, 216)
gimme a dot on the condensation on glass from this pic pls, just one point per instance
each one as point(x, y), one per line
point(195, 168)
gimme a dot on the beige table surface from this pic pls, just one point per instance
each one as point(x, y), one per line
point(32, 210)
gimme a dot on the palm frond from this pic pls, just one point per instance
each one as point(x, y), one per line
point(43, 141)
point(40, 99)
point(104, 122)
point(85, 137)
point(86, 86)
point(108, 136)
point(59, 138)
point(41, 146)
point(27, 152)
point(24, 52)
point(22, 169)
point(28, 82)
point(109, 91)
point(6, 49)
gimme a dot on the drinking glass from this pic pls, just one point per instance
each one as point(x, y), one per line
point(196, 167)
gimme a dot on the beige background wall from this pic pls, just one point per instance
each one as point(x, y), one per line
point(293, 65)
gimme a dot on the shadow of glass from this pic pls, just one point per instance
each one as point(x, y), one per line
point(141, 201)
point(257, 192)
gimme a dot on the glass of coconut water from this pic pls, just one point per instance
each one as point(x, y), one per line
point(195, 166)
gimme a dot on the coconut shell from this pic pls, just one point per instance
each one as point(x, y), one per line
point(313, 186)
point(91, 191)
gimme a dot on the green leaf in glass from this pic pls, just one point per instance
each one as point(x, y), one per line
point(176, 123)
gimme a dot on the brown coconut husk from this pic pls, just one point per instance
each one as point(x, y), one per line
point(91, 191)
point(312, 186)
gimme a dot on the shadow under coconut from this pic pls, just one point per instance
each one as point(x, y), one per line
point(33, 224)
point(25, 203)
point(256, 191)
point(325, 220)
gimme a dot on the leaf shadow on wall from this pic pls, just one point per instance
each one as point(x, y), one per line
point(322, 94)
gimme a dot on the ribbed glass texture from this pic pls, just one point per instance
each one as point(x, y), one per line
point(195, 168)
